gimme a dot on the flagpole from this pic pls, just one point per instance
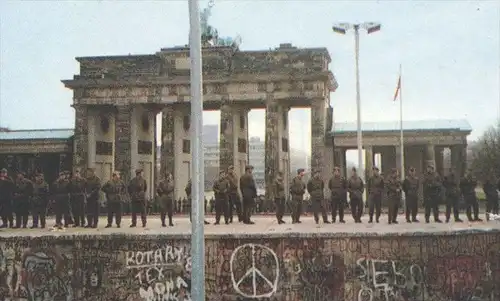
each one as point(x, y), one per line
point(401, 137)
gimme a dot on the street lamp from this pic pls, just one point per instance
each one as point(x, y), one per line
point(342, 28)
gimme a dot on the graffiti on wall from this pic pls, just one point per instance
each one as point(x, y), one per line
point(463, 267)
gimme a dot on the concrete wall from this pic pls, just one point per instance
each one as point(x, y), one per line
point(154, 268)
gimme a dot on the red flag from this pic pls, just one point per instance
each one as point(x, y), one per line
point(397, 88)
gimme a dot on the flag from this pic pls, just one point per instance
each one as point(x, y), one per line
point(397, 88)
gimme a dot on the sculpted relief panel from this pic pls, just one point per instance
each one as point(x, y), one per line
point(423, 268)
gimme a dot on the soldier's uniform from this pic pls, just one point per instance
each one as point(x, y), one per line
point(221, 190)
point(93, 186)
point(393, 185)
point(279, 197)
point(6, 193)
point(491, 193)
point(234, 197)
point(338, 191)
point(452, 193)
point(60, 191)
point(21, 202)
point(115, 191)
point(356, 187)
point(78, 193)
point(188, 191)
point(375, 187)
point(411, 186)
point(316, 187)
point(432, 194)
point(468, 186)
point(137, 188)
point(165, 190)
point(297, 190)
point(249, 193)
point(39, 201)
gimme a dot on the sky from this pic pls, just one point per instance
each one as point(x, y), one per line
point(449, 52)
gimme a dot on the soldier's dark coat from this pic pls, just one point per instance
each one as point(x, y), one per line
point(315, 187)
point(452, 194)
point(393, 186)
point(165, 190)
point(468, 186)
point(249, 193)
point(60, 191)
point(93, 187)
point(279, 198)
point(78, 186)
point(338, 191)
point(40, 201)
point(375, 186)
point(234, 197)
point(221, 189)
point(356, 187)
point(491, 193)
point(137, 188)
point(411, 187)
point(297, 190)
point(115, 191)
point(21, 202)
point(6, 194)
point(432, 185)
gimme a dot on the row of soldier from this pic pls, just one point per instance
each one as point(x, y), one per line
point(392, 188)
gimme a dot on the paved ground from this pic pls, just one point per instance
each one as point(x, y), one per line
point(264, 226)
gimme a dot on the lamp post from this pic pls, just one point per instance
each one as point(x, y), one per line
point(197, 178)
point(342, 28)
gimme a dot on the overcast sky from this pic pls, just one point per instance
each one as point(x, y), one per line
point(449, 51)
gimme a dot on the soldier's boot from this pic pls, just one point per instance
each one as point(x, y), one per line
point(170, 223)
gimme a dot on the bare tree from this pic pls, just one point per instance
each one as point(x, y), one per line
point(486, 153)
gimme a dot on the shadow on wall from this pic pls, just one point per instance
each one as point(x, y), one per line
point(126, 268)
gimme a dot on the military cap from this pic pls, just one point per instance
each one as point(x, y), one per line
point(230, 167)
point(115, 173)
point(249, 167)
point(353, 169)
point(67, 172)
point(61, 173)
point(90, 169)
point(375, 168)
point(21, 173)
point(412, 168)
point(3, 170)
point(316, 171)
point(77, 170)
point(336, 168)
point(138, 171)
point(393, 170)
point(300, 170)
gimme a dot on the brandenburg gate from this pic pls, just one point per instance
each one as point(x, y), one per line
point(116, 100)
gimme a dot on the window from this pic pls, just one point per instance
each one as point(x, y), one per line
point(285, 119)
point(262, 87)
point(284, 145)
point(242, 121)
point(186, 146)
point(242, 145)
point(187, 122)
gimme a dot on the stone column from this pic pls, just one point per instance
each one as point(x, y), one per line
point(464, 158)
point(123, 146)
point(318, 135)
point(438, 156)
point(343, 164)
point(233, 148)
point(368, 161)
point(272, 144)
point(388, 158)
point(80, 139)
point(167, 160)
point(430, 155)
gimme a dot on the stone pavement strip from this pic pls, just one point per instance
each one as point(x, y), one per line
point(265, 227)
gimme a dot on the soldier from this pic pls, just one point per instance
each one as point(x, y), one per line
point(60, 192)
point(115, 191)
point(188, 191)
point(375, 187)
point(93, 186)
point(452, 192)
point(468, 186)
point(137, 188)
point(279, 197)
point(393, 184)
point(165, 190)
point(234, 197)
point(491, 193)
point(40, 201)
point(221, 190)
point(338, 190)
point(432, 187)
point(411, 186)
point(356, 187)
point(77, 193)
point(21, 202)
point(297, 190)
point(315, 188)
point(249, 193)
point(6, 192)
